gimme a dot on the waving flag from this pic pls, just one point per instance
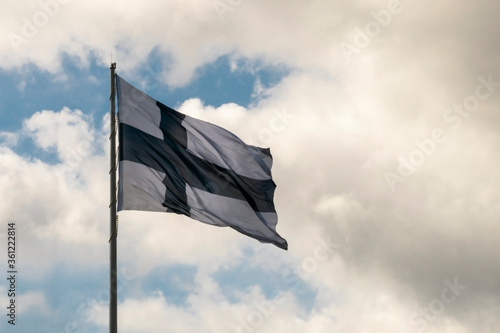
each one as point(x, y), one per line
point(170, 162)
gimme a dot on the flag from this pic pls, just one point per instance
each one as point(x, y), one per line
point(170, 162)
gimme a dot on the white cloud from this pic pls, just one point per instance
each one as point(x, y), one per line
point(68, 131)
point(9, 139)
point(392, 240)
point(23, 304)
point(56, 206)
point(35, 300)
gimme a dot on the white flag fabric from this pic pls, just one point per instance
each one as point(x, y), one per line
point(170, 162)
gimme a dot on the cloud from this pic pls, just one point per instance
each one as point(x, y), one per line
point(336, 127)
point(9, 139)
point(33, 300)
point(403, 244)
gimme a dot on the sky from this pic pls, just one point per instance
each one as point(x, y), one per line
point(382, 118)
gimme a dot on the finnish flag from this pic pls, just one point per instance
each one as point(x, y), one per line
point(171, 162)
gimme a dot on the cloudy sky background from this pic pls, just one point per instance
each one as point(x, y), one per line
point(382, 117)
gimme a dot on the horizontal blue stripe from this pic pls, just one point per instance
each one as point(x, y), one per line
point(180, 166)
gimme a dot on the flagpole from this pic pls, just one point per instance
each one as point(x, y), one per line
point(113, 280)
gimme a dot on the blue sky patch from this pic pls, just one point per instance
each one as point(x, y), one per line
point(173, 281)
point(243, 277)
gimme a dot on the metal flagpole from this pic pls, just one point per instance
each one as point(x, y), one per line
point(113, 283)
